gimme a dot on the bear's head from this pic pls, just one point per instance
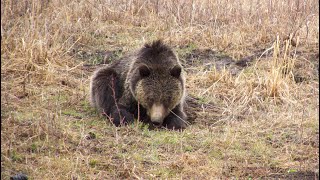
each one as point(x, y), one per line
point(157, 81)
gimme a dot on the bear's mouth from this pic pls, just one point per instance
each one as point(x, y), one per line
point(156, 124)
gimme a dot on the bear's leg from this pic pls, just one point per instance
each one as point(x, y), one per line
point(104, 89)
point(120, 116)
point(177, 119)
point(105, 95)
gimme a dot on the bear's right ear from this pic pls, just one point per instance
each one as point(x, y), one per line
point(144, 71)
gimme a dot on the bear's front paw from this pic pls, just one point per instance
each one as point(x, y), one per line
point(121, 117)
point(175, 124)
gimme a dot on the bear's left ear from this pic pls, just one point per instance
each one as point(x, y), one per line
point(175, 71)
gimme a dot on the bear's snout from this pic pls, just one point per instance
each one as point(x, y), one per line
point(157, 114)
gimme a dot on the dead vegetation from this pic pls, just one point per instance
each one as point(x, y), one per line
point(252, 75)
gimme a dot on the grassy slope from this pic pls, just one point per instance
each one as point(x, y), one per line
point(262, 122)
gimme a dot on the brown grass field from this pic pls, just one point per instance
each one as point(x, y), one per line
point(252, 74)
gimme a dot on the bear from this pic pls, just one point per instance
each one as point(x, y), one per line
point(148, 85)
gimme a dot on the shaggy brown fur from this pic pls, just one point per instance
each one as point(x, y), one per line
point(152, 78)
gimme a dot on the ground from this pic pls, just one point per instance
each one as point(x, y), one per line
point(252, 81)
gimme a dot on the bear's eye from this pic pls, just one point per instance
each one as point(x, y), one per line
point(175, 71)
point(144, 71)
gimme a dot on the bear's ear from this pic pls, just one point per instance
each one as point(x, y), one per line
point(175, 71)
point(144, 71)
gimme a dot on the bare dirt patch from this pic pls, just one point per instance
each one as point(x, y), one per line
point(213, 59)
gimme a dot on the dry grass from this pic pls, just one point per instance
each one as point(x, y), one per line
point(260, 122)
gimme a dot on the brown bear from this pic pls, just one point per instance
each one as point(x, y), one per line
point(148, 85)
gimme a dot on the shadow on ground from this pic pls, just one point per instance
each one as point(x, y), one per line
point(300, 175)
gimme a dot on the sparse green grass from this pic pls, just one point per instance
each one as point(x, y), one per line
point(261, 122)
